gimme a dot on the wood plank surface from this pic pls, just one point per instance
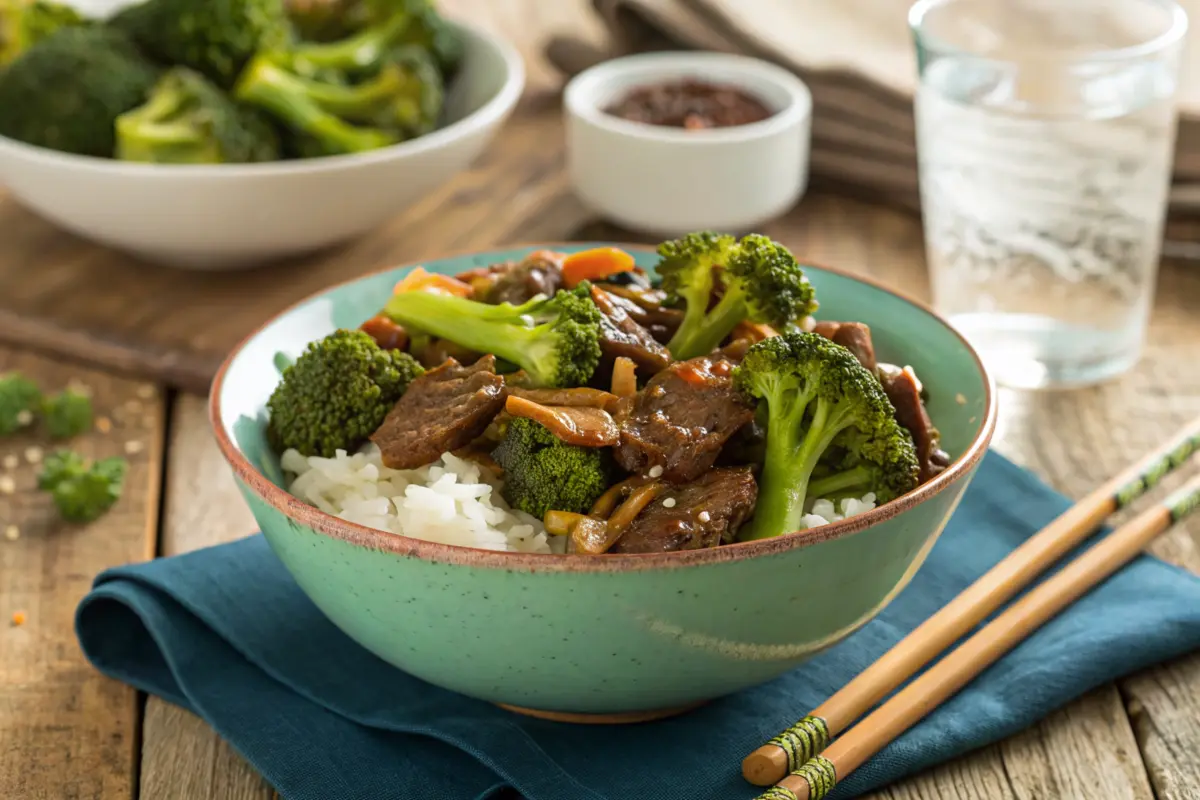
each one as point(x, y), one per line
point(66, 731)
point(182, 757)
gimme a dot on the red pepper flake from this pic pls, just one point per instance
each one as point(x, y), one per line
point(18, 619)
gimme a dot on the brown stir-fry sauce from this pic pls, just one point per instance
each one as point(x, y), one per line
point(690, 104)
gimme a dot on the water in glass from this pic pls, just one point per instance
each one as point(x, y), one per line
point(1043, 198)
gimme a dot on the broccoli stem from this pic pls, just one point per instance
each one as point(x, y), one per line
point(790, 460)
point(360, 102)
point(710, 329)
point(361, 51)
point(143, 136)
point(289, 97)
point(830, 485)
point(483, 328)
point(146, 134)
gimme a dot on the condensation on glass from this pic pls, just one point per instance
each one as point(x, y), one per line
point(1045, 135)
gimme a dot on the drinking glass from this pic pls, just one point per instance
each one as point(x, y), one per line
point(1045, 140)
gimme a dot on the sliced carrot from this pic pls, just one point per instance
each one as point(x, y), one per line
point(595, 264)
point(420, 280)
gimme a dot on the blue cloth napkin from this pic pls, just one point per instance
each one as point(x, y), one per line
point(226, 633)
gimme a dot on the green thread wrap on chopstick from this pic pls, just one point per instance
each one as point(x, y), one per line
point(820, 775)
point(778, 793)
point(1182, 503)
point(1143, 483)
point(803, 740)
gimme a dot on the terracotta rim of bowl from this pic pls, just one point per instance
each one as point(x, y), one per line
point(373, 539)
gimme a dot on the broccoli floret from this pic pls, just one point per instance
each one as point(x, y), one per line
point(304, 105)
point(321, 20)
point(423, 26)
point(357, 94)
point(359, 52)
point(67, 414)
point(66, 92)
point(19, 400)
point(337, 393)
point(432, 32)
point(82, 492)
point(61, 466)
point(542, 473)
point(417, 95)
point(755, 279)
point(397, 88)
point(24, 23)
point(214, 37)
point(555, 340)
point(188, 120)
point(821, 405)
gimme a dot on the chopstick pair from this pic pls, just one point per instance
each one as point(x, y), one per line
point(801, 762)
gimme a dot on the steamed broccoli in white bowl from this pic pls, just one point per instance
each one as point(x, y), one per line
point(218, 134)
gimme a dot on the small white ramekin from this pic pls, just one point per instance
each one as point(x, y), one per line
point(668, 181)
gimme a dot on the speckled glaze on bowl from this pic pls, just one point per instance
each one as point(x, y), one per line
point(618, 637)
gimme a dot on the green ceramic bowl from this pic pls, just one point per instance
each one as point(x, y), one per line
point(618, 637)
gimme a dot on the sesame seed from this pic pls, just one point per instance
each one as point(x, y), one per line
point(18, 618)
point(655, 471)
point(133, 406)
point(12, 533)
point(960, 399)
point(669, 502)
point(145, 391)
point(11, 461)
point(79, 387)
point(33, 455)
point(704, 516)
point(24, 417)
point(7, 484)
point(103, 424)
point(133, 447)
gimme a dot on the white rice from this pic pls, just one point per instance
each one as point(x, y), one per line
point(452, 501)
point(823, 511)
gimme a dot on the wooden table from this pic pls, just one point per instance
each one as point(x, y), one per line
point(67, 732)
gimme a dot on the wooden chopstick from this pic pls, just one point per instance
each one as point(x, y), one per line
point(808, 737)
point(814, 779)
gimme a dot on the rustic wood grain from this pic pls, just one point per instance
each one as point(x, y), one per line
point(1068, 755)
point(182, 757)
point(66, 731)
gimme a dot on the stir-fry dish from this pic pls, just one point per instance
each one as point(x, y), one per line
point(572, 404)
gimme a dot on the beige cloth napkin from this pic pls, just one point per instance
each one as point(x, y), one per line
point(857, 58)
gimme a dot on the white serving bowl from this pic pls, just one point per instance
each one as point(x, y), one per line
point(667, 181)
point(230, 216)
